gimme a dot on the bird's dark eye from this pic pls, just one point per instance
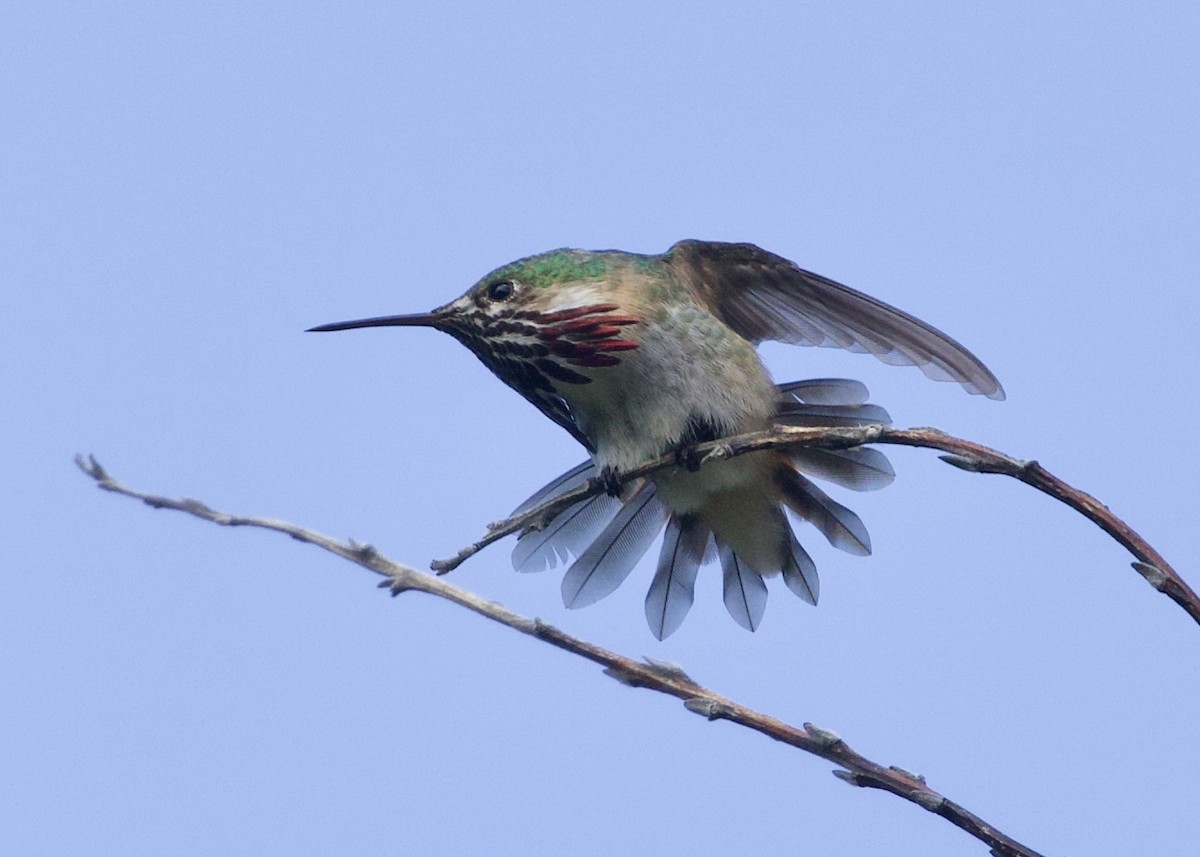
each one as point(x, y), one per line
point(501, 290)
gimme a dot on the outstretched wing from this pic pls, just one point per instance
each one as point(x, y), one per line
point(764, 296)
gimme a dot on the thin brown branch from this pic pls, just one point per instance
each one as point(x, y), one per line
point(670, 679)
point(964, 454)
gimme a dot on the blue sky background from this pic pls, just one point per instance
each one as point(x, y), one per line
point(186, 188)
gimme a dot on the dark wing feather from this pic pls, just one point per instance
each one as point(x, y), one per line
point(557, 409)
point(673, 589)
point(523, 377)
point(764, 296)
point(826, 391)
point(827, 402)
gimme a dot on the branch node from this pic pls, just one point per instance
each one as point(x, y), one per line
point(623, 675)
point(395, 584)
point(926, 799)
point(196, 507)
point(93, 468)
point(1154, 575)
point(632, 675)
point(963, 462)
point(364, 551)
point(917, 778)
point(396, 578)
point(532, 525)
point(669, 670)
point(849, 777)
point(826, 739)
point(706, 707)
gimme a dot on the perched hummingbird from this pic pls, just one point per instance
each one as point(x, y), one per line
point(637, 356)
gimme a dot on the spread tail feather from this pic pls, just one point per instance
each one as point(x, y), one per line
point(800, 572)
point(608, 560)
point(570, 533)
point(673, 589)
point(744, 590)
point(606, 536)
point(839, 525)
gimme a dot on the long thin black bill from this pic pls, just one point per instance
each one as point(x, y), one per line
point(420, 319)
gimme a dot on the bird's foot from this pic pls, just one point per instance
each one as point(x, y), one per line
point(610, 478)
point(688, 457)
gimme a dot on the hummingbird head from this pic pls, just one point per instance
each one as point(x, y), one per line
point(536, 321)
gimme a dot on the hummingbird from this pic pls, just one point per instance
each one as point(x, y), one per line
point(641, 355)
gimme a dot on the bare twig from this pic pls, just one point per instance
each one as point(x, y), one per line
point(653, 675)
point(963, 454)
